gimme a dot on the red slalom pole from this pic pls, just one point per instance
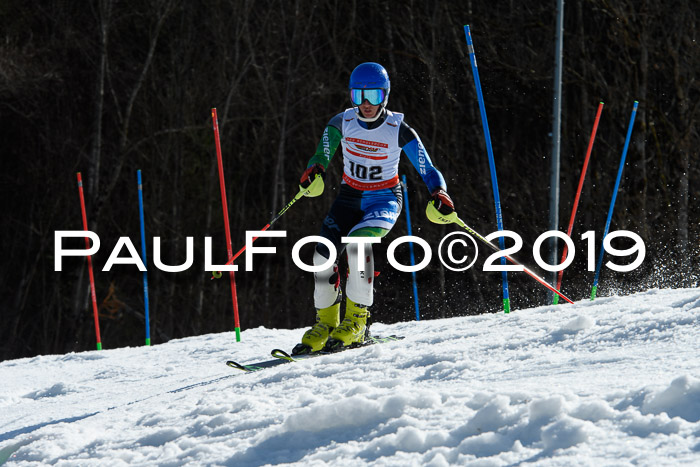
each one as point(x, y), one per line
point(229, 248)
point(89, 260)
point(578, 195)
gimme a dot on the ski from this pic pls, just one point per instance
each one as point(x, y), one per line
point(280, 357)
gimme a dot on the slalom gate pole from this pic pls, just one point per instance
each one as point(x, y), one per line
point(483, 239)
point(145, 260)
point(93, 295)
point(614, 197)
point(410, 245)
point(591, 140)
point(222, 185)
point(492, 163)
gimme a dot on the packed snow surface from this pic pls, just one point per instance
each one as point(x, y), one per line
point(615, 381)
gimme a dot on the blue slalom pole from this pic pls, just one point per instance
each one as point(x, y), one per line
point(410, 245)
point(492, 163)
point(145, 261)
point(612, 202)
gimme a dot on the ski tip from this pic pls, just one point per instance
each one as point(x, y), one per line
point(382, 339)
point(279, 353)
point(237, 366)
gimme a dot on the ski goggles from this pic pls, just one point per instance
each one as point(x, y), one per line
point(373, 96)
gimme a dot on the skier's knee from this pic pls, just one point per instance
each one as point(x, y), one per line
point(360, 286)
point(327, 283)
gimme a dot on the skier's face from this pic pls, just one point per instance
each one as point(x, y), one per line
point(368, 110)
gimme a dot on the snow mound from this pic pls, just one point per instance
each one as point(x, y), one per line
point(607, 382)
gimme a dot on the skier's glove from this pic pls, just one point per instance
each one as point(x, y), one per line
point(442, 202)
point(312, 180)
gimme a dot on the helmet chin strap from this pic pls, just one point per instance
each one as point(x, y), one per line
point(380, 112)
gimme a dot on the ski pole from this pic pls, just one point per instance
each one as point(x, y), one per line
point(298, 196)
point(473, 232)
point(492, 163)
point(614, 197)
point(578, 195)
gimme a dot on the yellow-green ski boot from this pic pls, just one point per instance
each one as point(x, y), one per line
point(352, 330)
point(327, 319)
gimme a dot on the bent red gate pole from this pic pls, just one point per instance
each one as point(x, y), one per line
point(89, 261)
point(229, 247)
point(527, 271)
point(565, 251)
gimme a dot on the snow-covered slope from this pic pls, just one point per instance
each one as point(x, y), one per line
point(615, 381)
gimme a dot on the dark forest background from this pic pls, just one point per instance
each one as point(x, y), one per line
point(107, 87)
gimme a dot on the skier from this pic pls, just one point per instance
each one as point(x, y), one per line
point(368, 203)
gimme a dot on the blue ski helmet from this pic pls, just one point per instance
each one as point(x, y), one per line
point(369, 81)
